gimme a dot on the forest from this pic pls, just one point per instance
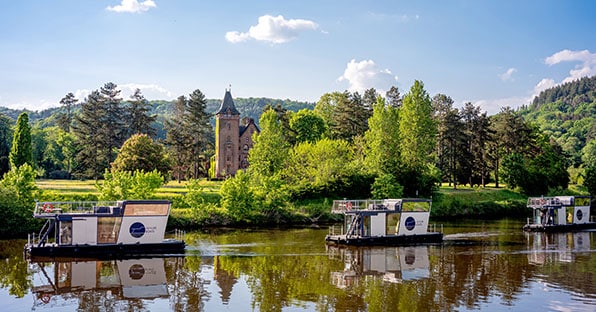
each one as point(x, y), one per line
point(347, 144)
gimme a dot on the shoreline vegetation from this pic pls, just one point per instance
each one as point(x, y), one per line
point(448, 204)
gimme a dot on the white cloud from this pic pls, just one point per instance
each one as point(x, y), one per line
point(150, 91)
point(494, 106)
point(274, 29)
point(132, 6)
point(506, 76)
point(366, 74)
point(586, 66)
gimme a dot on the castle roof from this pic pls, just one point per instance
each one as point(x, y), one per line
point(227, 105)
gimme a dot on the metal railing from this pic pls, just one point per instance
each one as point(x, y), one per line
point(83, 207)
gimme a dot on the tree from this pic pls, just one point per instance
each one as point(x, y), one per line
point(113, 129)
point(177, 140)
point(479, 135)
point(417, 141)
point(199, 131)
point(65, 118)
point(307, 125)
point(91, 157)
point(270, 150)
point(140, 121)
point(141, 153)
point(382, 140)
point(393, 97)
point(417, 127)
point(6, 134)
point(21, 152)
point(119, 185)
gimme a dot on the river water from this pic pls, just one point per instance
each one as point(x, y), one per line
point(490, 265)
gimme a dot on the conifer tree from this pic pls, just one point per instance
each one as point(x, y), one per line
point(140, 121)
point(21, 152)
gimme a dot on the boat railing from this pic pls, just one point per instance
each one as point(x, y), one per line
point(347, 205)
point(544, 202)
point(46, 209)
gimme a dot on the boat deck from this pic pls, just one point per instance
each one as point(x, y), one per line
point(387, 240)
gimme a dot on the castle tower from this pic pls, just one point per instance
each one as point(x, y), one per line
point(227, 125)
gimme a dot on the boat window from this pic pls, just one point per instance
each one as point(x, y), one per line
point(158, 209)
point(107, 229)
point(392, 223)
point(582, 201)
point(422, 206)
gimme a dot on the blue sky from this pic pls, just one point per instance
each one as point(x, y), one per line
point(490, 53)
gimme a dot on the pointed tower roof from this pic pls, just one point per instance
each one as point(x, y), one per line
point(227, 105)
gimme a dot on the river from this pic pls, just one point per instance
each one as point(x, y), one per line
point(483, 265)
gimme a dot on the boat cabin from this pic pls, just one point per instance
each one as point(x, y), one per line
point(94, 227)
point(559, 213)
point(384, 222)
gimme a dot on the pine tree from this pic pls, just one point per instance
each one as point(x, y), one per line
point(113, 130)
point(65, 118)
point(177, 139)
point(21, 152)
point(199, 131)
point(140, 121)
point(90, 161)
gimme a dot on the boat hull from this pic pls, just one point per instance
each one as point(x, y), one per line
point(559, 227)
point(393, 240)
point(167, 247)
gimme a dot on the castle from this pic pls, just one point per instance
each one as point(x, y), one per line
point(232, 140)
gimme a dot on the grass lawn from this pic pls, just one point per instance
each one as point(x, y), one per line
point(78, 187)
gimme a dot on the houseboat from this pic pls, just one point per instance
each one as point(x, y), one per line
point(559, 214)
point(128, 228)
point(388, 222)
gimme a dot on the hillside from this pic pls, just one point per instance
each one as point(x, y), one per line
point(567, 113)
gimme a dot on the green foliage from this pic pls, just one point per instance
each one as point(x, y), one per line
point(237, 198)
point(590, 179)
point(17, 193)
point(319, 169)
point(386, 186)
point(383, 140)
point(267, 157)
point(120, 185)
point(141, 153)
point(307, 126)
point(21, 152)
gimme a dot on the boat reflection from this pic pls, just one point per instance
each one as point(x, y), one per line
point(391, 264)
point(556, 247)
point(55, 283)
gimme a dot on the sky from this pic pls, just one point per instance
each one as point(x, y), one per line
point(491, 53)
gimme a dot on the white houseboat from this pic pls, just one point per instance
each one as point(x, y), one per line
point(559, 214)
point(126, 228)
point(384, 222)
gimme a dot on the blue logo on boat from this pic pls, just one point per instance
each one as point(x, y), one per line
point(410, 223)
point(137, 229)
point(579, 214)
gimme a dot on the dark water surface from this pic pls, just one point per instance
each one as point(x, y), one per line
point(488, 265)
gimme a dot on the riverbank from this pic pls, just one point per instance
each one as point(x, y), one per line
point(464, 202)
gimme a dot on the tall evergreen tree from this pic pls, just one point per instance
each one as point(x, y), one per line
point(177, 139)
point(6, 133)
point(113, 130)
point(21, 152)
point(140, 121)
point(91, 159)
point(65, 118)
point(479, 135)
point(200, 133)
point(393, 97)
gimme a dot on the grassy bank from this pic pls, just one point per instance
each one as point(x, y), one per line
point(486, 203)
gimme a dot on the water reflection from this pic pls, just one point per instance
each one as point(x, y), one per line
point(556, 247)
point(56, 283)
point(492, 267)
point(391, 264)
